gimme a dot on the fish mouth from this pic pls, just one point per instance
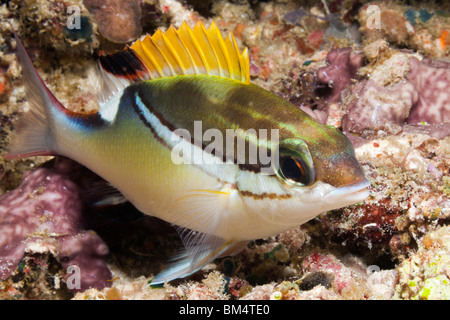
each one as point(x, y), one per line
point(351, 193)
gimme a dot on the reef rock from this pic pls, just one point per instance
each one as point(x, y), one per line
point(118, 20)
point(421, 97)
point(45, 212)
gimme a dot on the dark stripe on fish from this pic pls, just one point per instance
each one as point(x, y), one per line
point(265, 195)
point(88, 120)
point(166, 99)
point(130, 96)
point(125, 64)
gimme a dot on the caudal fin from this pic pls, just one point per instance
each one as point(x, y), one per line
point(33, 134)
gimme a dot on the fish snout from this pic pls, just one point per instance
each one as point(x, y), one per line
point(351, 193)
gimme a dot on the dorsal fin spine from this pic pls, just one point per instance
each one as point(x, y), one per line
point(211, 64)
point(150, 57)
point(226, 53)
point(216, 36)
point(154, 40)
point(174, 53)
point(178, 50)
point(227, 58)
point(234, 57)
point(242, 68)
point(193, 51)
point(197, 48)
point(188, 53)
point(246, 65)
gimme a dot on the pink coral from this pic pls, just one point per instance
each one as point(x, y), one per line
point(338, 75)
point(422, 97)
point(431, 79)
point(379, 108)
point(321, 262)
point(46, 209)
point(347, 273)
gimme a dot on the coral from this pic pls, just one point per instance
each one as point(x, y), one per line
point(178, 12)
point(237, 288)
point(345, 278)
point(263, 292)
point(153, 15)
point(426, 274)
point(431, 80)
point(45, 212)
point(407, 173)
point(348, 277)
point(420, 29)
point(390, 103)
point(370, 225)
point(378, 108)
point(399, 90)
point(62, 25)
point(272, 258)
point(381, 283)
point(38, 276)
point(117, 20)
point(201, 6)
point(408, 199)
point(124, 289)
point(326, 277)
point(342, 67)
point(210, 288)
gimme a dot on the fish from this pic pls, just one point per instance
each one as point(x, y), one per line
point(184, 135)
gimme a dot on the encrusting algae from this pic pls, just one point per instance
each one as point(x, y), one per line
point(325, 58)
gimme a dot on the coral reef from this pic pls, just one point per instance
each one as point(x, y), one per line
point(430, 79)
point(328, 278)
point(44, 214)
point(426, 273)
point(377, 70)
point(342, 67)
point(64, 26)
point(422, 29)
point(408, 198)
point(418, 97)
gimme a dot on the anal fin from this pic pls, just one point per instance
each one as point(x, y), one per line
point(203, 216)
point(184, 264)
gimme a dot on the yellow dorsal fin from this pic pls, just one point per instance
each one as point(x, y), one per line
point(189, 51)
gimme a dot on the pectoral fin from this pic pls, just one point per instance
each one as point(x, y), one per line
point(201, 216)
point(101, 194)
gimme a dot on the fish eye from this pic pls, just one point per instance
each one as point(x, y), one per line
point(295, 165)
point(295, 170)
